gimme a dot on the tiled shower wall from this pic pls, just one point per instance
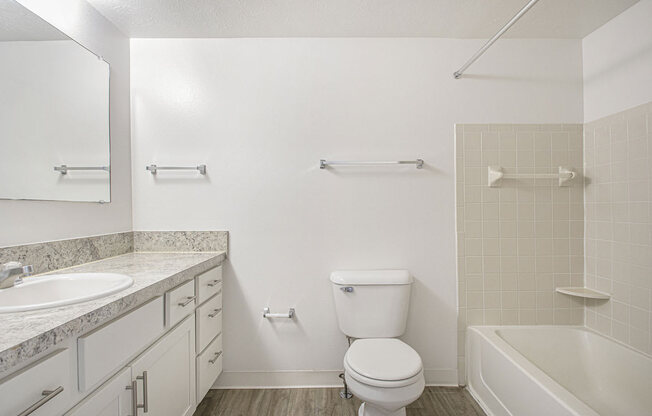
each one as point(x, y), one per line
point(618, 151)
point(519, 241)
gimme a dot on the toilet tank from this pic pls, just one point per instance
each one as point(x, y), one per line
point(372, 303)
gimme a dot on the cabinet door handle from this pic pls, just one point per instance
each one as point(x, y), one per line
point(145, 405)
point(213, 282)
point(217, 355)
point(187, 302)
point(134, 398)
point(47, 396)
point(215, 313)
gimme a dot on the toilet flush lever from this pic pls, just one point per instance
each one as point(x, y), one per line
point(347, 289)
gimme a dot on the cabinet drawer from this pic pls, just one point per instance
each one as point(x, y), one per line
point(208, 284)
point(20, 391)
point(209, 367)
point(107, 348)
point(209, 321)
point(179, 303)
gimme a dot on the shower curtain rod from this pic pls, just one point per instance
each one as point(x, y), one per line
point(457, 74)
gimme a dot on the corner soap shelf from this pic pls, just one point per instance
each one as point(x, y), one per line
point(583, 292)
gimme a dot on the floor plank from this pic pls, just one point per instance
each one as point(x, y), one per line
point(279, 405)
point(435, 401)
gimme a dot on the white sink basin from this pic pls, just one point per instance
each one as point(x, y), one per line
point(61, 289)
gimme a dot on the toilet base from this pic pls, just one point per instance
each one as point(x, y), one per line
point(366, 410)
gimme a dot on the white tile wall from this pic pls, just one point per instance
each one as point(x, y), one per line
point(618, 206)
point(517, 242)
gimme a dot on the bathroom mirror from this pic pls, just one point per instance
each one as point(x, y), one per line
point(54, 113)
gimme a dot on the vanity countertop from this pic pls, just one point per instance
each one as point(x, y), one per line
point(23, 335)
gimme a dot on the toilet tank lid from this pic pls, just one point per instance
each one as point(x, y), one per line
point(371, 277)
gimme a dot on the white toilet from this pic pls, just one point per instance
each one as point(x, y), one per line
point(380, 369)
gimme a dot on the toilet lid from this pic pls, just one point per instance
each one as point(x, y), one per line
point(385, 359)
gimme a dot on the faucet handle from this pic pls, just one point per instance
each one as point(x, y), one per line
point(28, 270)
point(11, 265)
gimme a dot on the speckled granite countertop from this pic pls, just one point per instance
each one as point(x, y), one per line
point(25, 334)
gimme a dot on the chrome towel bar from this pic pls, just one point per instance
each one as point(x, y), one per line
point(63, 169)
point(267, 314)
point(154, 168)
point(324, 163)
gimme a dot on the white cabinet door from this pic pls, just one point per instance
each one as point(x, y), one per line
point(110, 399)
point(165, 373)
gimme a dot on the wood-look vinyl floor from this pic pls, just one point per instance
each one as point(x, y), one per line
point(435, 401)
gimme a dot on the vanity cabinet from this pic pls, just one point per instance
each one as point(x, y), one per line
point(160, 381)
point(164, 375)
point(161, 357)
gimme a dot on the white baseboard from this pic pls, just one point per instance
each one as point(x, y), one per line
point(277, 379)
point(441, 377)
point(314, 379)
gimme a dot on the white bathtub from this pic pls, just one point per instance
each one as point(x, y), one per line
point(556, 371)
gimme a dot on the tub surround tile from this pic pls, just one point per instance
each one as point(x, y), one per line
point(54, 255)
point(517, 242)
point(180, 241)
point(27, 334)
point(618, 199)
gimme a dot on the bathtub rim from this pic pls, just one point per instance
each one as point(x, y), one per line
point(564, 397)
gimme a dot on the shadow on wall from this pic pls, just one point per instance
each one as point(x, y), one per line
point(534, 80)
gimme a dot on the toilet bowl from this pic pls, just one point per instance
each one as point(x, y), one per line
point(380, 369)
point(385, 373)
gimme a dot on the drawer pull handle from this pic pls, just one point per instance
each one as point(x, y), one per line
point(145, 393)
point(48, 395)
point(213, 282)
point(215, 313)
point(217, 355)
point(189, 299)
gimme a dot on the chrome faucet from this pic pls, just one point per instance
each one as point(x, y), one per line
point(12, 273)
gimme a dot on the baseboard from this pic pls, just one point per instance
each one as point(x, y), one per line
point(441, 377)
point(277, 379)
point(314, 379)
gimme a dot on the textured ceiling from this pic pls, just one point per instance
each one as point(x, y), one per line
point(356, 18)
point(17, 23)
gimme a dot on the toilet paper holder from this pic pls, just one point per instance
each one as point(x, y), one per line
point(268, 314)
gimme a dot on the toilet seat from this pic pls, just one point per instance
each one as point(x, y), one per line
point(383, 362)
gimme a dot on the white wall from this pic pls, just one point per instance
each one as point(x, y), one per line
point(30, 221)
point(54, 110)
point(262, 112)
point(617, 61)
